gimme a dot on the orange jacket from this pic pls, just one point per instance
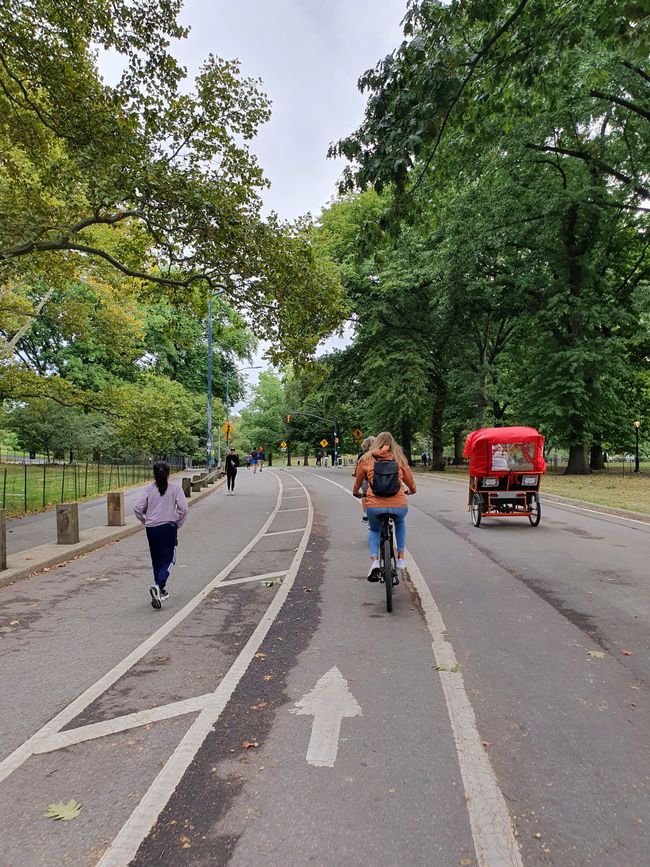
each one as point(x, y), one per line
point(366, 470)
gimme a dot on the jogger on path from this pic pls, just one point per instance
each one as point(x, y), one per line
point(162, 508)
point(232, 462)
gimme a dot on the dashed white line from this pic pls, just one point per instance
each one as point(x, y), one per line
point(126, 844)
point(22, 753)
point(284, 532)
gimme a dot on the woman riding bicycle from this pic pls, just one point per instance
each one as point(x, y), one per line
point(389, 480)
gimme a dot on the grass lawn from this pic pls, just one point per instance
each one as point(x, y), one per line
point(611, 488)
point(48, 484)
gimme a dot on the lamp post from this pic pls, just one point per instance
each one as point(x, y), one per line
point(238, 369)
point(637, 425)
point(208, 459)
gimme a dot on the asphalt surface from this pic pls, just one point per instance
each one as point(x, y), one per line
point(549, 627)
point(28, 531)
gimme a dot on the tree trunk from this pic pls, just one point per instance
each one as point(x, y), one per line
point(288, 454)
point(458, 448)
point(577, 465)
point(306, 457)
point(406, 441)
point(437, 417)
point(270, 462)
point(597, 457)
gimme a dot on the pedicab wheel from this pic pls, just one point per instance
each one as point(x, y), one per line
point(388, 575)
point(535, 510)
point(475, 510)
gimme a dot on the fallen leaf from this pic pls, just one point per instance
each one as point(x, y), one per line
point(538, 836)
point(268, 677)
point(185, 841)
point(391, 791)
point(63, 811)
point(272, 583)
point(258, 706)
point(626, 652)
point(453, 668)
point(7, 629)
point(29, 558)
point(595, 654)
point(247, 745)
point(465, 861)
point(486, 744)
point(260, 655)
point(14, 622)
point(307, 590)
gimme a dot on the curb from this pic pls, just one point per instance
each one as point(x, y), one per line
point(50, 555)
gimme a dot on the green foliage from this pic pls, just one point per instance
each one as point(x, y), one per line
point(514, 139)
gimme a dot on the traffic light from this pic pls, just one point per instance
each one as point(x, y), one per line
point(289, 417)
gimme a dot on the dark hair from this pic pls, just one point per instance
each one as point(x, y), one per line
point(160, 474)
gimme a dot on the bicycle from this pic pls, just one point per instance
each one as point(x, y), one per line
point(387, 563)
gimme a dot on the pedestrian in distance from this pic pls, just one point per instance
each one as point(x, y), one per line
point(261, 457)
point(254, 459)
point(162, 508)
point(425, 459)
point(232, 462)
point(248, 460)
point(389, 481)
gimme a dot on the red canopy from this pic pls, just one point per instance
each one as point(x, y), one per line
point(505, 450)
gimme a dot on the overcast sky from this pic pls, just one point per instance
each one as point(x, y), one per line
point(309, 55)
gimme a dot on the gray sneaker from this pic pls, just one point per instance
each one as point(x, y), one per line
point(164, 595)
point(155, 596)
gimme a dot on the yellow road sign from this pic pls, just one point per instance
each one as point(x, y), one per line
point(324, 443)
point(227, 428)
point(283, 445)
point(357, 434)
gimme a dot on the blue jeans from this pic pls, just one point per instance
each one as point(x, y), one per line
point(162, 546)
point(374, 527)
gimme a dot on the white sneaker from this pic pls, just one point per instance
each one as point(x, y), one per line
point(400, 563)
point(373, 572)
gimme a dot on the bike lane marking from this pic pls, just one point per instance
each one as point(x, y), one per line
point(127, 842)
point(492, 832)
point(16, 758)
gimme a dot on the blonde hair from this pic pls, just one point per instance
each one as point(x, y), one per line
point(367, 444)
point(386, 439)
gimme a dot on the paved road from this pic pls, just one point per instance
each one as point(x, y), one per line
point(529, 746)
point(27, 531)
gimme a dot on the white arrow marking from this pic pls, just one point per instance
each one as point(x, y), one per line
point(328, 702)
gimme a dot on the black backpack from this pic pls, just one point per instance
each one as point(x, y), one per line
point(385, 480)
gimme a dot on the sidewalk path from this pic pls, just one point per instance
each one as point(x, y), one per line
point(32, 530)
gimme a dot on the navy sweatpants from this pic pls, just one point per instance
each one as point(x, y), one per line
point(162, 545)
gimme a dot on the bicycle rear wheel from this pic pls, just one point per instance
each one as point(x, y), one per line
point(387, 569)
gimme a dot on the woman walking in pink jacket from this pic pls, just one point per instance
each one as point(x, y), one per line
point(162, 508)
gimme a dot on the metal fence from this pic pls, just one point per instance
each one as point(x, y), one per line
point(33, 486)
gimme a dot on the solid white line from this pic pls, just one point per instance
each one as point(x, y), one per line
point(22, 753)
point(122, 723)
point(294, 497)
point(268, 575)
point(494, 840)
point(301, 509)
point(126, 844)
point(282, 532)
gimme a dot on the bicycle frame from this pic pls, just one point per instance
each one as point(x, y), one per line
point(387, 564)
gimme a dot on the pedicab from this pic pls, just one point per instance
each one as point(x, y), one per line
point(505, 468)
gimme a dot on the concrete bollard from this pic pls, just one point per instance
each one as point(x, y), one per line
point(115, 508)
point(196, 487)
point(187, 487)
point(67, 523)
point(3, 539)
